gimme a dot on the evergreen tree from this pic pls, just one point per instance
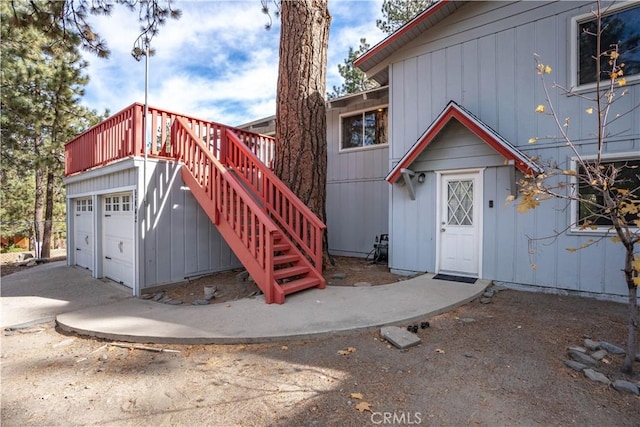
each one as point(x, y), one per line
point(42, 81)
point(354, 79)
point(301, 130)
point(398, 12)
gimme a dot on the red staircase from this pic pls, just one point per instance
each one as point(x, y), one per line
point(275, 236)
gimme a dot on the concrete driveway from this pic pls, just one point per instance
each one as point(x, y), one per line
point(40, 293)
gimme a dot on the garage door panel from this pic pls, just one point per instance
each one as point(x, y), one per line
point(83, 233)
point(118, 238)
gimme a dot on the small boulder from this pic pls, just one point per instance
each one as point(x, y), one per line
point(578, 348)
point(25, 256)
point(576, 366)
point(614, 349)
point(242, 276)
point(173, 302)
point(599, 355)
point(339, 276)
point(583, 358)
point(591, 344)
point(596, 376)
point(200, 302)
point(489, 293)
point(626, 386)
point(485, 300)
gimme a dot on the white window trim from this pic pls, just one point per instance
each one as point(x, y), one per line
point(573, 59)
point(601, 230)
point(355, 113)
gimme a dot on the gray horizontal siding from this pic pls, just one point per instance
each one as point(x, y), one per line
point(103, 183)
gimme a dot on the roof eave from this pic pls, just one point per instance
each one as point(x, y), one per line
point(477, 127)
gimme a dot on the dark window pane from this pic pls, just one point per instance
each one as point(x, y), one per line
point(365, 129)
point(352, 131)
point(622, 28)
point(628, 178)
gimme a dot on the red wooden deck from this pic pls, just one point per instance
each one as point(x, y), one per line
point(275, 236)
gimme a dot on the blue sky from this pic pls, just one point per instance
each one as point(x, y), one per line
point(216, 62)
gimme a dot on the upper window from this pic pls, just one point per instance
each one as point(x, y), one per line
point(364, 129)
point(620, 26)
point(590, 210)
point(119, 203)
point(84, 205)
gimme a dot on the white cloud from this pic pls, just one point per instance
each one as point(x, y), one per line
point(216, 62)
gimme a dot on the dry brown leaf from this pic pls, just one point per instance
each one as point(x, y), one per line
point(347, 351)
point(284, 348)
point(356, 396)
point(439, 350)
point(363, 406)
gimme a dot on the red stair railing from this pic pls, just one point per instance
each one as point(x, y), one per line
point(297, 220)
point(222, 198)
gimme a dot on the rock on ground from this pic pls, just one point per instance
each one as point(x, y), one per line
point(596, 376)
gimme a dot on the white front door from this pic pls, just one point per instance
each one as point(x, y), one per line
point(118, 238)
point(83, 233)
point(460, 204)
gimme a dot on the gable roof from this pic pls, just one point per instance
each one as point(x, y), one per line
point(477, 127)
point(408, 32)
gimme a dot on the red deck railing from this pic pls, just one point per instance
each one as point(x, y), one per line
point(121, 136)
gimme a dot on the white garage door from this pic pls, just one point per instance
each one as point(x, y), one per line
point(83, 233)
point(118, 238)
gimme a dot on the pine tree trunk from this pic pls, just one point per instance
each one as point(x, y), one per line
point(48, 216)
point(301, 129)
point(38, 213)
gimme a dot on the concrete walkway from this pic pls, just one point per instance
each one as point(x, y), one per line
point(104, 309)
point(310, 314)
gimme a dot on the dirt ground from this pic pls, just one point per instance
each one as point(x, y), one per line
point(229, 287)
point(492, 364)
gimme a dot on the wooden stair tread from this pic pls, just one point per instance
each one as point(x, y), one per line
point(281, 247)
point(299, 284)
point(295, 270)
point(283, 259)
